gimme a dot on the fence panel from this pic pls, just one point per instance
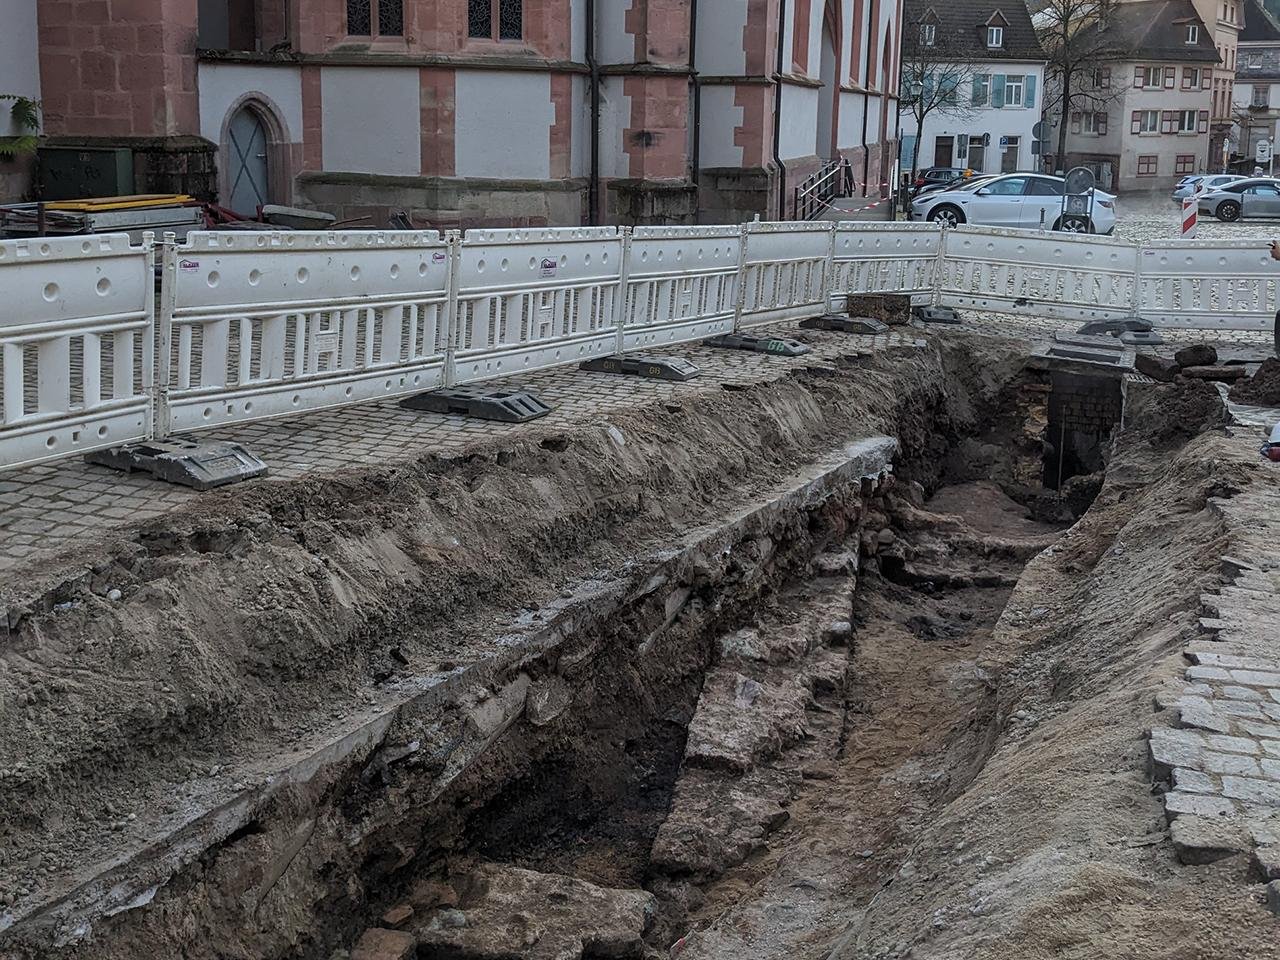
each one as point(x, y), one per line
point(682, 284)
point(886, 258)
point(260, 325)
point(784, 275)
point(76, 335)
point(531, 299)
point(1058, 275)
point(1208, 285)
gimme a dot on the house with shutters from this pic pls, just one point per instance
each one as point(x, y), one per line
point(987, 53)
point(1151, 98)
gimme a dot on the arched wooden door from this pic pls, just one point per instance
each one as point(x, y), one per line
point(247, 168)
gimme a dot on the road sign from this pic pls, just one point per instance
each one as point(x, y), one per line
point(1040, 130)
point(1004, 141)
point(1262, 153)
point(986, 139)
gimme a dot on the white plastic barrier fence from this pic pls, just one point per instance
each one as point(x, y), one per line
point(1218, 285)
point(260, 325)
point(682, 284)
point(532, 299)
point(76, 333)
point(899, 258)
point(1061, 275)
point(784, 272)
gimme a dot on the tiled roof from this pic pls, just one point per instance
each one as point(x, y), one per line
point(1155, 30)
point(962, 28)
point(1259, 24)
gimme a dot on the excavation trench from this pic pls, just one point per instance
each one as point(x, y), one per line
point(720, 713)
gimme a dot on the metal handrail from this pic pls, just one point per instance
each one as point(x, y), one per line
point(812, 195)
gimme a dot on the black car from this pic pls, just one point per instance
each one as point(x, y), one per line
point(934, 178)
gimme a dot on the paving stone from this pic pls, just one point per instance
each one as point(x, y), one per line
point(1199, 714)
point(1232, 744)
point(1232, 763)
point(1193, 781)
point(1267, 730)
point(1235, 661)
point(1266, 860)
point(1253, 678)
point(1270, 768)
point(1237, 708)
point(1177, 803)
point(1208, 673)
point(1251, 790)
point(1273, 897)
point(1240, 693)
point(1199, 839)
point(1170, 749)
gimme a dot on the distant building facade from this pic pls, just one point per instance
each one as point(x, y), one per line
point(1153, 116)
point(480, 112)
point(1257, 82)
point(999, 72)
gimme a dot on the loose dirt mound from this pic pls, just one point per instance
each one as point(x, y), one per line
point(1170, 414)
point(1262, 389)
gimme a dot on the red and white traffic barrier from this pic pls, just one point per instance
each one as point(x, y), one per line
point(1190, 210)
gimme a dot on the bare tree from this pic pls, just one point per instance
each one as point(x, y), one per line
point(1073, 34)
point(937, 76)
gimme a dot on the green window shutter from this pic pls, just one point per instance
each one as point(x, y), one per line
point(997, 90)
point(979, 97)
point(1029, 93)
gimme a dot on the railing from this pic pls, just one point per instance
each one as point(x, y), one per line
point(812, 196)
point(252, 326)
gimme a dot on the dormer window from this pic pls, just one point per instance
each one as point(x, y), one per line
point(928, 34)
point(995, 37)
point(1193, 33)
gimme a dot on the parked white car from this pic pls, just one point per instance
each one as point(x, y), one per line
point(1028, 200)
point(1248, 198)
point(1205, 181)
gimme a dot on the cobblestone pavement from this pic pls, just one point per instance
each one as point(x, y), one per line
point(47, 508)
point(1221, 756)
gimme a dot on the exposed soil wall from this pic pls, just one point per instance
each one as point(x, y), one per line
point(289, 700)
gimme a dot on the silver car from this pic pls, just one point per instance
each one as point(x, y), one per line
point(1206, 182)
point(1251, 198)
point(1026, 200)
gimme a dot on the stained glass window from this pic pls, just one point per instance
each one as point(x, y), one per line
point(358, 19)
point(390, 18)
point(480, 18)
point(511, 19)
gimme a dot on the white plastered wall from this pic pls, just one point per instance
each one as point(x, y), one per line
point(371, 120)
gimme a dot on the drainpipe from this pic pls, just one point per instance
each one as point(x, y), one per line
point(866, 108)
point(695, 158)
point(593, 188)
point(777, 113)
